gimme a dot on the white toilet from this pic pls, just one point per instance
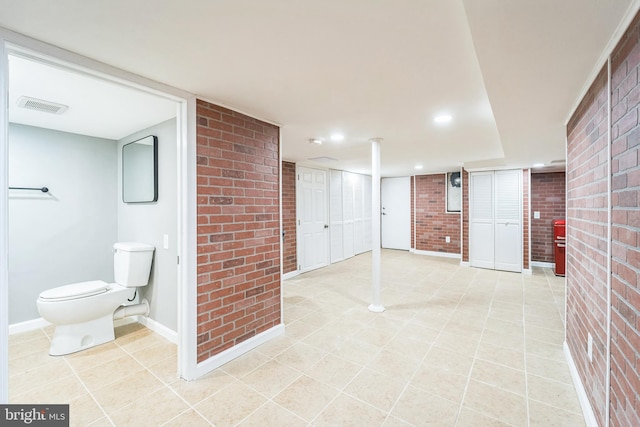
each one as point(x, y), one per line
point(83, 312)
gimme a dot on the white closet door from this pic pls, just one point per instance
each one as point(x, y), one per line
point(395, 194)
point(481, 220)
point(335, 216)
point(508, 222)
point(368, 222)
point(348, 214)
point(313, 229)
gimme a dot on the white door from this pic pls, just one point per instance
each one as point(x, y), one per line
point(508, 224)
point(313, 225)
point(481, 232)
point(495, 220)
point(395, 198)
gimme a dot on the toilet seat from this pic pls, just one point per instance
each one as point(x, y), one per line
point(75, 290)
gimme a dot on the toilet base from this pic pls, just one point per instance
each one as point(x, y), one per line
point(80, 336)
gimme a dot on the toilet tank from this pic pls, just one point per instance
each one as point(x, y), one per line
point(132, 263)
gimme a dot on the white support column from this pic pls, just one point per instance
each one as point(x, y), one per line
point(376, 305)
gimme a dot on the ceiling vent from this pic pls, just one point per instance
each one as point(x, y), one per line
point(323, 159)
point(41, 105)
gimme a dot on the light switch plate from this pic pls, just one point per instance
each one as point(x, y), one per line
point(536, 215)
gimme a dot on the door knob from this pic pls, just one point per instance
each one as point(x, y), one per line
point(326, 226)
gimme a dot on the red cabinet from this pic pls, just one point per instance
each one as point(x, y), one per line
point(559, 246)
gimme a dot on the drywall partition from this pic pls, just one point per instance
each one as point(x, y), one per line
point(238, 231)
point(548, 199)
point(156, 223)
point(68, 232)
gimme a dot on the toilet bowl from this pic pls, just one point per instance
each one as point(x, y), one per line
point(83, 312)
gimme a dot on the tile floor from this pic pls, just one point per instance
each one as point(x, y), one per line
point(456, 346)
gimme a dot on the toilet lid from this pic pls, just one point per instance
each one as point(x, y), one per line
point(75, 290)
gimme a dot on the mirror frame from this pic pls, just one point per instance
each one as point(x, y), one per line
point(154, 143)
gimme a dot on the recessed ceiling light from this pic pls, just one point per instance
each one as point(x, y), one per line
point(317, 141)
point(538, 165)
point(418, 167)
point(337, 137)
point(442, 118)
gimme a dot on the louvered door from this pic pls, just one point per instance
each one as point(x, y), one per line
point(495, 220)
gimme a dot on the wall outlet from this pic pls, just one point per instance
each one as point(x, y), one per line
point(590, 348)
point(447, 239)
point(536, 215)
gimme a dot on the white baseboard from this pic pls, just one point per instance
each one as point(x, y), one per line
point(228, 355)
point(527, 271)
point(543, 264)
point(29, 325)
point(587, 410)
point(290, 275)
point(438, 254)
point(465, 264)
point(158, 328)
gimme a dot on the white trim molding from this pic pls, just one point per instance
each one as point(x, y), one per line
point(438, 254)
point(290, 275)
point(542, 264)
point(587, 410)
point(236, 351)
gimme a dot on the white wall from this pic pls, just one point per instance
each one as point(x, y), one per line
point(65, 235)
point(149, 222)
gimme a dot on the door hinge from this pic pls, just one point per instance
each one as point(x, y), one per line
point(298, 222)
point(178, 259)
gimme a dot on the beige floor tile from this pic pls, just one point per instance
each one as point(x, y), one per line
point(506, 378)
point(26, 347)
point(440, 382)
point(83, 411)
point(306, 397)
point(553, 393)
point(542, 415)
point(448, 360)
point(126, 390)
point(30, 361)
point(394, 364)
point(155, 353)
point(188, 418)
point(513, 342)
point(299, 329)
point(102, 422)
point(377, 336)
point(356, 351)
point(152, 409)
point(334, 371)
point(465, 345)
point(346, 411)
point(496, 403)
point(417, 407)
point(230, 405)
point(546, 350)
point(392, 421)
point(471, 418)
point(276, 346)
point(244, 364)
point(196, 391)
point(500, 355)
point(301, 356)
point(271, 378)
point(548, 368)
point(94, 356)
point(26, 336)
point(61, 390)
point(271, 414)
point(376, 389)
point(106, 373)
point(166, 370)
point(39, 375)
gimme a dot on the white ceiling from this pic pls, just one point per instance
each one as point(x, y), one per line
point(508, 71)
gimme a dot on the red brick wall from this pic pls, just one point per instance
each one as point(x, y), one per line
point(526, 188)
point(413, 217)
point(465, 216)
point(586, 269)
point(238, 238)
point(548, 198)
point(433, 223)
point(625, 228)
point(290, 259)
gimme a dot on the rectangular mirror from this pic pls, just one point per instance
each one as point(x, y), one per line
point(140, 170)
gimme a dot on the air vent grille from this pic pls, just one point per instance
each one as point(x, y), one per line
point(41, 105)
